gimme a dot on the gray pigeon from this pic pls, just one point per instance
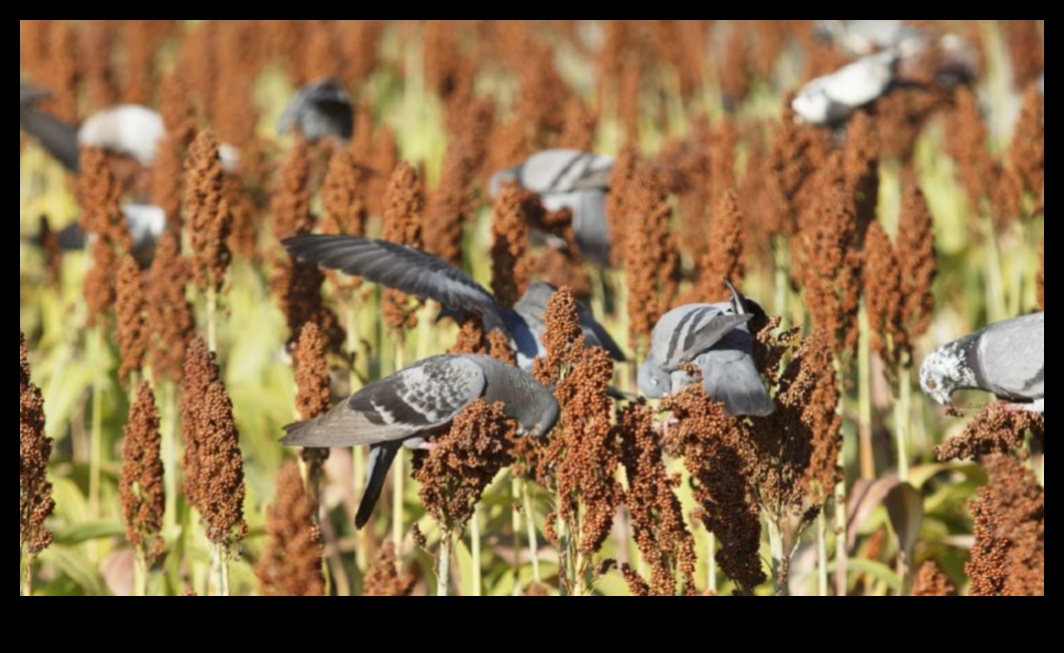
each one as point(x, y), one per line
point(567, 179)
point(832, 99)
point(146, 224)
point(423, 275)
point(716, 338)
point(421, 401)
point(320, 110)
point(57, 138)
point(1006, 359)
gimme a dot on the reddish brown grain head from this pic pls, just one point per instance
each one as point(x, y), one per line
point(916, 258)
point(652, 260)
point(291, 198)
point(967, 143)
point(932, 581)
point(1026, 51)
point(209, 217)
point(616, 202)
point(344, 195)
point(861, 165)
point(384, 577)
point(724, 259)
point(291, 564)
point(1008, 556)
point(99, 193)
point(454, 476)
point(578, 128)
point(179, 117)
point(450, 206)
point(131, 308)
point(562, 339)
point(404, 206)
point(1027, 155)
point(141, 487)
point(171, 322)
point(885, 298)
point(657, 517)
point(297, 289)
point(313, 396)
point(222, 469)
point(35, 504)
point(995, 430)
point(384, 161)
point(511, 265)
point(735, 71)
point(199, 373)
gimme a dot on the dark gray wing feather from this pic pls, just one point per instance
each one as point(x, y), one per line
point(402, 268)
point(381, 458)
point(685, 333)
point(730, 376)
point(59, 139)
point(1010, 358)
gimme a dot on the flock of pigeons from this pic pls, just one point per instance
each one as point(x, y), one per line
point(409, 407)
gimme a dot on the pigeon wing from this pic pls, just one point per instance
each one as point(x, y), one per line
point(688, 331)
point(402, 268)
point(564, 171)
point(418, 400)
point(1009, 358)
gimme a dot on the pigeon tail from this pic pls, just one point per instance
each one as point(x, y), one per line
point(306, 435)
point(381, 458)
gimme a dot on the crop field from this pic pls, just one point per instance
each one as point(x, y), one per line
point(286, 328)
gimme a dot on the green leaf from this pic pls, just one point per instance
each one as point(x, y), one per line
point(906, 509)
point(877, 570)
point(75, 534)
point(78, 568)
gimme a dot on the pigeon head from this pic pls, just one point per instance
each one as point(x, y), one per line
point(537, 416)
point(944, 372)
point(654, 382)
point(812, 105)
point(500, 178)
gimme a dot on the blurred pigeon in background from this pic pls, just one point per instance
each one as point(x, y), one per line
point(862, 37)
point(127, 130)
point(1006, 359)
point(423, 275)
point(567, 179)
point(716, 338)
point(421, 401)
point(146, 225)
point(832, 99)
point(57, 138)
point(319, 110)
point(1042, 83)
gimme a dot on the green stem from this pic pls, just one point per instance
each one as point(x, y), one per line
point(995, 285)
point(515, 525)
point(903, 417)
point(25, 575)
point(533, 538)
point(443, 564)
point(399, 474)
point(822, 554)
point(711, 563)
point(475, 552)
point(212, 326)
point(779, 269)
point(96, 437)
point(140, 573)
point(841, 579)
point(220, 569)
point(169, 445)
point(775, 541)
point(357, 455)
point(864, 394)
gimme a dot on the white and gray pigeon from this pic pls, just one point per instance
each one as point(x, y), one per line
point(423, 275)
point(861, 37)
point(319, 110)
point(421, 401)
point(568, 179)
point(146, 224)
point(1006, 359)
point(832, 99)
point(716, 338)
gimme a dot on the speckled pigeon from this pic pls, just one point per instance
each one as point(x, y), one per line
point(716, 338)
point(1006, 359)
point(421, 401)
point(319, 110)
point(574, 180)
point(832, 99)
point(423, 275)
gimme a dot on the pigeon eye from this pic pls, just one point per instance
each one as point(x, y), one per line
point(932, 384)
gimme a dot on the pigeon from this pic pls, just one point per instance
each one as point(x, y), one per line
point(421, 401)
point(423, 275)
point(319, 110)
point(862, 37)
point(1006, 359)
point(832, 99)
point(567, 179)
point(716, 338)
point(146, 225)
point(127, 129)
point(57, 138)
